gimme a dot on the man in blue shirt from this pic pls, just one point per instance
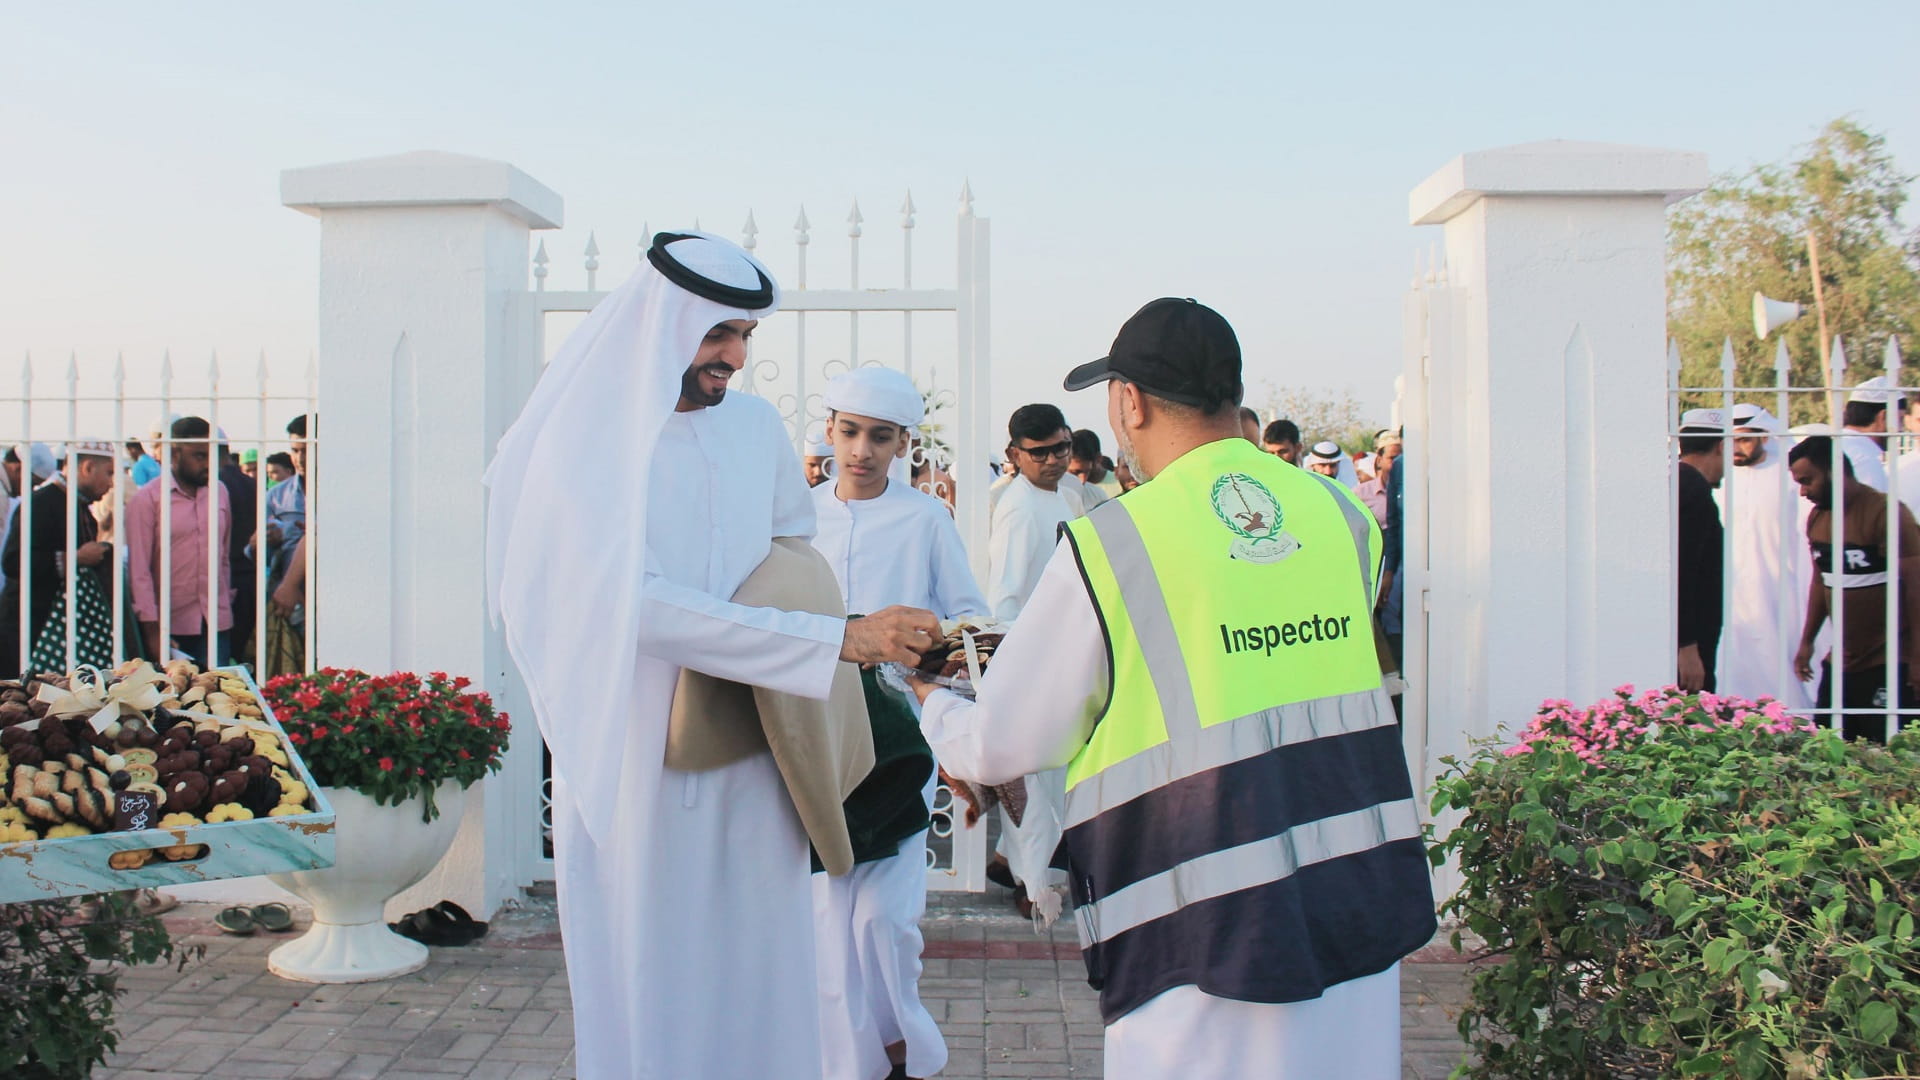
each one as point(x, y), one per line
point(285, 623)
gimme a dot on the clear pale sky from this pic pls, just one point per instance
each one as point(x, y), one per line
point(1254, 156)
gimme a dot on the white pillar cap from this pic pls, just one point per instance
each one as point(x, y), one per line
point(422, 178)
point(1556, 167)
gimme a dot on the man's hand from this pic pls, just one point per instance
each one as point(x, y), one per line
point(1803, 663)
point(1386, 590)
point(285, 599)
point(1693, 673)
point(150, 633)
point(92, 554)
point(274, 536)
point(897, 635)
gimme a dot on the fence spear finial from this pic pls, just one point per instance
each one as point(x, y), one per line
point(750, 233)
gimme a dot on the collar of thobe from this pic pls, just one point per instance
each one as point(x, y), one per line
point(565, 564)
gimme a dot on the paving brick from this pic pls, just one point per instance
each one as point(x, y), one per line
point(1011, 1004)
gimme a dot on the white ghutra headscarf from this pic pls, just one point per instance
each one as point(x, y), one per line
point(565, 562)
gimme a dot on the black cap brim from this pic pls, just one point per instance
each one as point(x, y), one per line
point(1089, 374)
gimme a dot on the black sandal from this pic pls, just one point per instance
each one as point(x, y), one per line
point(458, 915)
point(445, 925)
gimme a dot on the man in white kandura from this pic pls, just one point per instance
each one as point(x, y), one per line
point(1868, 417)
point(685, 902)
point(1241, 834)
point(1769, 567)
point(888, 544)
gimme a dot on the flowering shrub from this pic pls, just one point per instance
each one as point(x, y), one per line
point(1688, 885)
point(60, 980)
point(390, 737)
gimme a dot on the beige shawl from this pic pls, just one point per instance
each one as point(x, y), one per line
point(823, 748)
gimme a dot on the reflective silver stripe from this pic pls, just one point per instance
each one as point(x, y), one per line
point(1147, 610)
point(1356, 524)
point(1261, 862)
point(1223, 744)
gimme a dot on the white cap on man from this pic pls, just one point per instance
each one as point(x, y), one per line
point(1876, 391)
point(878, 392)
point(1711, 419)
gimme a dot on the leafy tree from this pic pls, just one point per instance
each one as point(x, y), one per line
point(1320, 414)
point(1748, 232)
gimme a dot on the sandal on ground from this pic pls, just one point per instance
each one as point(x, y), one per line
point(275, 917)
point(475, 929)
point(431, 926)
point(236, 920)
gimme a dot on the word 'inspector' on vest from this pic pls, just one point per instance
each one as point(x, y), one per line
point(1285, 635)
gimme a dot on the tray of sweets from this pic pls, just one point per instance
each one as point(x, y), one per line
point(141, 777)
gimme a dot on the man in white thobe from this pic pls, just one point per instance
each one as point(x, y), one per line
point(1029, 510)
point(889, 544)
point(1869, 408)
point(1769, 564)
point(685, 904)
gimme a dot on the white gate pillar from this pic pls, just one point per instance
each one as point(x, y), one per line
point(1549, 512)
point(421, 371)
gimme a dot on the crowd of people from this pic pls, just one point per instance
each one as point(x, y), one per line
point(1812, 571)
point(185, 478)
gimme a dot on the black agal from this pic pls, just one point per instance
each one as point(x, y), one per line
point(704, 287)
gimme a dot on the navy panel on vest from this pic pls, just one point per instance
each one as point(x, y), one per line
point(1358, 917)
point(1236, 804)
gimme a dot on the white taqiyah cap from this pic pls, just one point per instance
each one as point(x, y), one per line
point(818, 448)
point(1704, 418)
point(877, 392)
point(1875, 391)
point(94, 448)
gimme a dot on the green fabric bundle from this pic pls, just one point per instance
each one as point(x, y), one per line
point(888, 805)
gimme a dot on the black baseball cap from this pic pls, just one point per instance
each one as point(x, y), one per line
point(1175, 349)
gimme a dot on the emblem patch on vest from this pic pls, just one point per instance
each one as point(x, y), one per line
point(1251, 513)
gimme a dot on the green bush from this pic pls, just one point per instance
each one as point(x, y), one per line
point(1676, 885)
point(58, 982)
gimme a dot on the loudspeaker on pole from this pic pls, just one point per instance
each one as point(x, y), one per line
point(1770, 314)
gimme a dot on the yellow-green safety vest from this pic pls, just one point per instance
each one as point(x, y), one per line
point(1241, 817)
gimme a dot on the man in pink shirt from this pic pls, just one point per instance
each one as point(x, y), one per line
point(187, 490)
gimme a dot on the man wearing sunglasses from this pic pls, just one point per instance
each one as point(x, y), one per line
point(1027, 517)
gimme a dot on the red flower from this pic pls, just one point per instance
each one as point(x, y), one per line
point(464, 756)
point(462, 683)
point(386, 764)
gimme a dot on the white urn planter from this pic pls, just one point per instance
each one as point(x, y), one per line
point(379, 851)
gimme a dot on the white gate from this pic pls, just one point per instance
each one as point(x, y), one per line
point(782, 369)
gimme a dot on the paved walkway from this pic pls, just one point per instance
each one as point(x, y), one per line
point(1012, 1004)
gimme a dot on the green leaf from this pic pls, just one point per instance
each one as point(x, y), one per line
point(1878, 1021)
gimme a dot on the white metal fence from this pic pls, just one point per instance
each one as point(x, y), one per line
point(56, 408)
point(1761, 644)
point(819, 333)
